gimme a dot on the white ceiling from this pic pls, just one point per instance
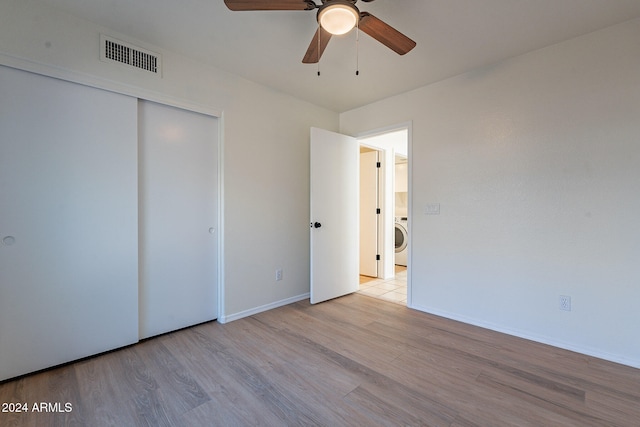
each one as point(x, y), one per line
point(453, 36)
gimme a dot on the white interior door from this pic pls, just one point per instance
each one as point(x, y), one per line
point(368, 213)
point(178, 218)
point(334, 215)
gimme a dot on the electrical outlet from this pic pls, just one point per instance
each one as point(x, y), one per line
point(565, 303)
point(278, 274)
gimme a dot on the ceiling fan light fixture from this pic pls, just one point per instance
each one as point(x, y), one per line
point(338, 18)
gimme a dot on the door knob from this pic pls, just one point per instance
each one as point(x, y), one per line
point(317, 225)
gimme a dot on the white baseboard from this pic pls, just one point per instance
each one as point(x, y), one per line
point(256, 310)
point(616, 358)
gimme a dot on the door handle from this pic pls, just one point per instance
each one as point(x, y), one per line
point(316, 225)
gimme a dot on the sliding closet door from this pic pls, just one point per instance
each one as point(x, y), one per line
point(68, 222)
point(178, 218)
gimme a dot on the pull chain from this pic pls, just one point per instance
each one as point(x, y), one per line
point(357, 47)
point(319, 35)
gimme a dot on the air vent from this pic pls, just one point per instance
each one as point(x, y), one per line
point(113, 50)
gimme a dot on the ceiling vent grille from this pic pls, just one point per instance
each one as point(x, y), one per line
point(113, 50)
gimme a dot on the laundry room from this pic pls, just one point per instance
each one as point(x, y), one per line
point(401, 210)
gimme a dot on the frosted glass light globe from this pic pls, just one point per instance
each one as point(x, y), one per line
point(338, 19)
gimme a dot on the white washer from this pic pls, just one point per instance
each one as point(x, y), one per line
point(401, 240)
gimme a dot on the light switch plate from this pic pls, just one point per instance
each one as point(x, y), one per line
point(432, 209)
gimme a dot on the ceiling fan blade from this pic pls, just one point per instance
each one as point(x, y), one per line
point(316, 49)
point(240, 5)
point(385, 34)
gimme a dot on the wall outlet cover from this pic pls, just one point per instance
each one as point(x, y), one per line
point(565, 303)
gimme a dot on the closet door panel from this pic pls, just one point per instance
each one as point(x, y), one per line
point(178, 218)
point(68, 221)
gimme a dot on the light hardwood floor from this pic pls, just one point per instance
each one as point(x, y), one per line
point(353, 361)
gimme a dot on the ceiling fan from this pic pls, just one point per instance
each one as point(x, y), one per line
point(335, 17)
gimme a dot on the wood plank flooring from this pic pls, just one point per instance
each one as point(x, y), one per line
point(353, 361)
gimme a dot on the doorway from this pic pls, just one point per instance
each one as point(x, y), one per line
point(391, 188)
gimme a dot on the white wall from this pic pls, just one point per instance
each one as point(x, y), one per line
point(534, 162)
point(265, 144)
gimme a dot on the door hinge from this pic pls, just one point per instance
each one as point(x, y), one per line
point(377, 257)
point(378, 211)
point(378, 164)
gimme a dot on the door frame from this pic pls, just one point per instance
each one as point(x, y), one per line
point(408, 126)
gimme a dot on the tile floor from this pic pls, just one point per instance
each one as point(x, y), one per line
point(394, 290)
